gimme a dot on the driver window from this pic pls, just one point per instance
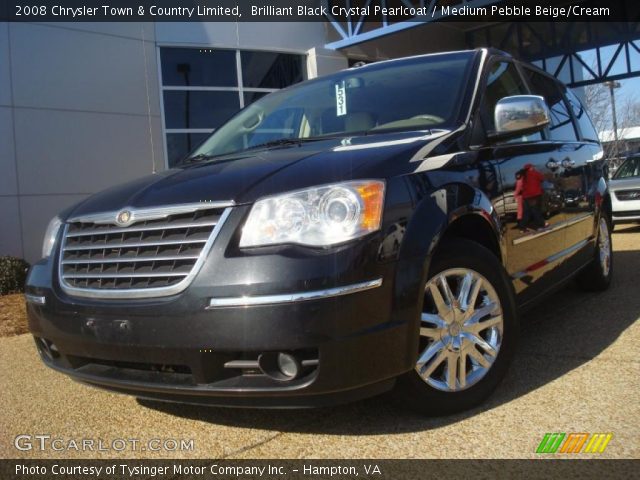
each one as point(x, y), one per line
point(503, 81)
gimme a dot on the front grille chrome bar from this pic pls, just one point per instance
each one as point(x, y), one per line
point(151, 213)
point(149, 228)
point(127, 275)
point(156, 254)
point(153, 243)
point(164, 258)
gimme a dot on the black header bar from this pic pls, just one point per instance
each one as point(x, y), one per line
point(315, 10)
point(131, 469)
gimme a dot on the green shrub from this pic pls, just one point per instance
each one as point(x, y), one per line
point(13, 273)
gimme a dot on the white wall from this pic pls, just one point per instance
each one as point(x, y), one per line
point(285, 36)
point(74, 119)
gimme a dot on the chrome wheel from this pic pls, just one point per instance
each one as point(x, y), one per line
point(604, 244)
point(461, 332)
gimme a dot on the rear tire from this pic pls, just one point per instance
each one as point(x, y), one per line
point(465, 350)
point(596, 277)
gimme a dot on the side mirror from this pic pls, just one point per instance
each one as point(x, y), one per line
point(519, 115)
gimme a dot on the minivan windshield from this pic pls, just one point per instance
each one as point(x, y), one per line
point(630, 168)
point(418, 93)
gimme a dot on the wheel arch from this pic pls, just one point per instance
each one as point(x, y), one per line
point(451, 211)
point(476, 227)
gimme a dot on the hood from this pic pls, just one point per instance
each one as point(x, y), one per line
point(624, 183)
point(247, 176)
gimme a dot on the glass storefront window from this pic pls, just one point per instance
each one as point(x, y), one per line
point(203, 87)
point(198, 67)
point(186, 109)
point(270, 70)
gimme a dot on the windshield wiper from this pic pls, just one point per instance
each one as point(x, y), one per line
point(292, 141)
point(272, 143)
point(281, 142)
point(201, 157)
point(197, 158)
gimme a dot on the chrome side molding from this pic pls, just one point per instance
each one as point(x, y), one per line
point(548, 260)
point(552, 228)
point(248, 301)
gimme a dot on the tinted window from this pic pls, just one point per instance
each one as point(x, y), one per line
point(270, 70)
point(586, 127)
point(199, 109)
point(282, 124)
point(503, 81)
point(561, 127)
point(630, 168)
point(410, 94)
point(199, 67)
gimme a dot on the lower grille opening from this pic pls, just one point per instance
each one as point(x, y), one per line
point(133, 371)
point(47, 348)
point(203, 369)
point(266, 364)
point(627, 213)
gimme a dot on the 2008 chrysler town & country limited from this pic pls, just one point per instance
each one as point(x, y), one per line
point(371, 230)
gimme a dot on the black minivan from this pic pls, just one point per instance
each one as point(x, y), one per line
point(375, 229)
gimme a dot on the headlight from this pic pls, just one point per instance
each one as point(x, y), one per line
point(50, 236)
point(319, 217)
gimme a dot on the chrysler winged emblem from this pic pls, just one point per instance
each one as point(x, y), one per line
point(123, 217)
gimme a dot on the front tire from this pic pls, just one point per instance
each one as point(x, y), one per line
point(468, 332)
point(596, 277)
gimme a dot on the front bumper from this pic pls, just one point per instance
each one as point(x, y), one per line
point(625, 210)
point(185, 349)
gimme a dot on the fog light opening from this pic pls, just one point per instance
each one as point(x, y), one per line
point(47, 349)
point(280, 366)
point(288, 365)
point(43, 348)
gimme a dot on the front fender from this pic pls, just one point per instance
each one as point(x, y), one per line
point(437, 212)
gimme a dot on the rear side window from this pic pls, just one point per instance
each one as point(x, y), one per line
point(561, 128)
point(586, 127)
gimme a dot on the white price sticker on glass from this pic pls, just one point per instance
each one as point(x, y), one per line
point(341, 99)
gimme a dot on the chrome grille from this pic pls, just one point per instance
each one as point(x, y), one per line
point(156, 253)
point(623, 195)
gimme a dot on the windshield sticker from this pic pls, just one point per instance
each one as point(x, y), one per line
point(341, 99)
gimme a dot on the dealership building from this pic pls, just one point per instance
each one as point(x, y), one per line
point(85, 106)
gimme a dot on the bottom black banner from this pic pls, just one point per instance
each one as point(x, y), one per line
point(314, 469)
